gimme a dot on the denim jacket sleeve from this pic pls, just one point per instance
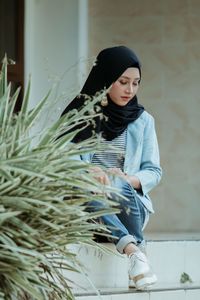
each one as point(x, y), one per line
point(142, 153)
point(150, 171)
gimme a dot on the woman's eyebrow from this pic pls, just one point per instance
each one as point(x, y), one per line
point(126, 77)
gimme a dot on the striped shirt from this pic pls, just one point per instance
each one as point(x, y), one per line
point(112, 159)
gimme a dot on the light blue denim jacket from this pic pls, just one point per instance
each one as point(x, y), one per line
point(142, 156)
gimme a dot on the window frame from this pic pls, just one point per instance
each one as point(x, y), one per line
point(16, 71)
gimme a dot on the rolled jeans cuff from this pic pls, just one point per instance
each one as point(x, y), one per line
point(124, 241)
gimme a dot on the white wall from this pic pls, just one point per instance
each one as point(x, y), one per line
point(55, 39)
point(166, 36)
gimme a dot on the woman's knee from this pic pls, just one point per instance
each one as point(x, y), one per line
point(95, 205)
point(124, 187)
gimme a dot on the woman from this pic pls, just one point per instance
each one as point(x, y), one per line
point(129, 128)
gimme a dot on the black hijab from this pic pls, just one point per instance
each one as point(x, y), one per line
point(110, 64)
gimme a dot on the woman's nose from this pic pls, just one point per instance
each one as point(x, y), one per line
point(129, 89)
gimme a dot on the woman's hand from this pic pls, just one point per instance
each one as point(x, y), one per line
point(100, 175)
point(117, 171)
point(132, 180)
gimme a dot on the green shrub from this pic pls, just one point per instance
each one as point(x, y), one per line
point(43, 193)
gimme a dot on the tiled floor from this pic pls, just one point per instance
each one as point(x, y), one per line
point(192, 295)
point(169, 295)
point(130, 297)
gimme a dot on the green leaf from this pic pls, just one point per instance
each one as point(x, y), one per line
point(5, 216)
point(23, 111)
point(3, 77)
point(36, 111)
point(44, 192)
point(24, 285)
point(4, 109)
point(185, 278)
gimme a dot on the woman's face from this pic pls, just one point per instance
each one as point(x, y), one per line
point(126, 87)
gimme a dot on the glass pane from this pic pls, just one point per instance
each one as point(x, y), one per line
point(8, 28)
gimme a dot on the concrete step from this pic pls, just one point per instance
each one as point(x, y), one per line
point(104, 272)
point(156, 294)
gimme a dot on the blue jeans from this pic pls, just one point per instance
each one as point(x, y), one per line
point(127, 225)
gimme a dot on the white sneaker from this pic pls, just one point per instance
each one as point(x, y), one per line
point(131, 284)
point(140, 272)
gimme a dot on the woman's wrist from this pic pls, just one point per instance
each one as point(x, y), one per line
point(133, 181)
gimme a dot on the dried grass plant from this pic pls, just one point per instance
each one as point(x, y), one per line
point(44, 190)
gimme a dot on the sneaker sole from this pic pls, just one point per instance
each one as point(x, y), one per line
point(145, 282)
point(131, 284)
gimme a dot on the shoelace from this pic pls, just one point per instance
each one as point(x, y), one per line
point(138, 254)
point(135, 255)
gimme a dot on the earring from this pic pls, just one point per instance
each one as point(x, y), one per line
point(104, 101)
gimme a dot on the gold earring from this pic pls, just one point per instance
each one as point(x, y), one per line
point(104, 101)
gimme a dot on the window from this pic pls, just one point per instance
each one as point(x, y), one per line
point(12, 41)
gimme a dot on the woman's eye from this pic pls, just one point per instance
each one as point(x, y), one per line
point(123, 82)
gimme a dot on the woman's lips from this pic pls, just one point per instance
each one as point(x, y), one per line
point(125, 98)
